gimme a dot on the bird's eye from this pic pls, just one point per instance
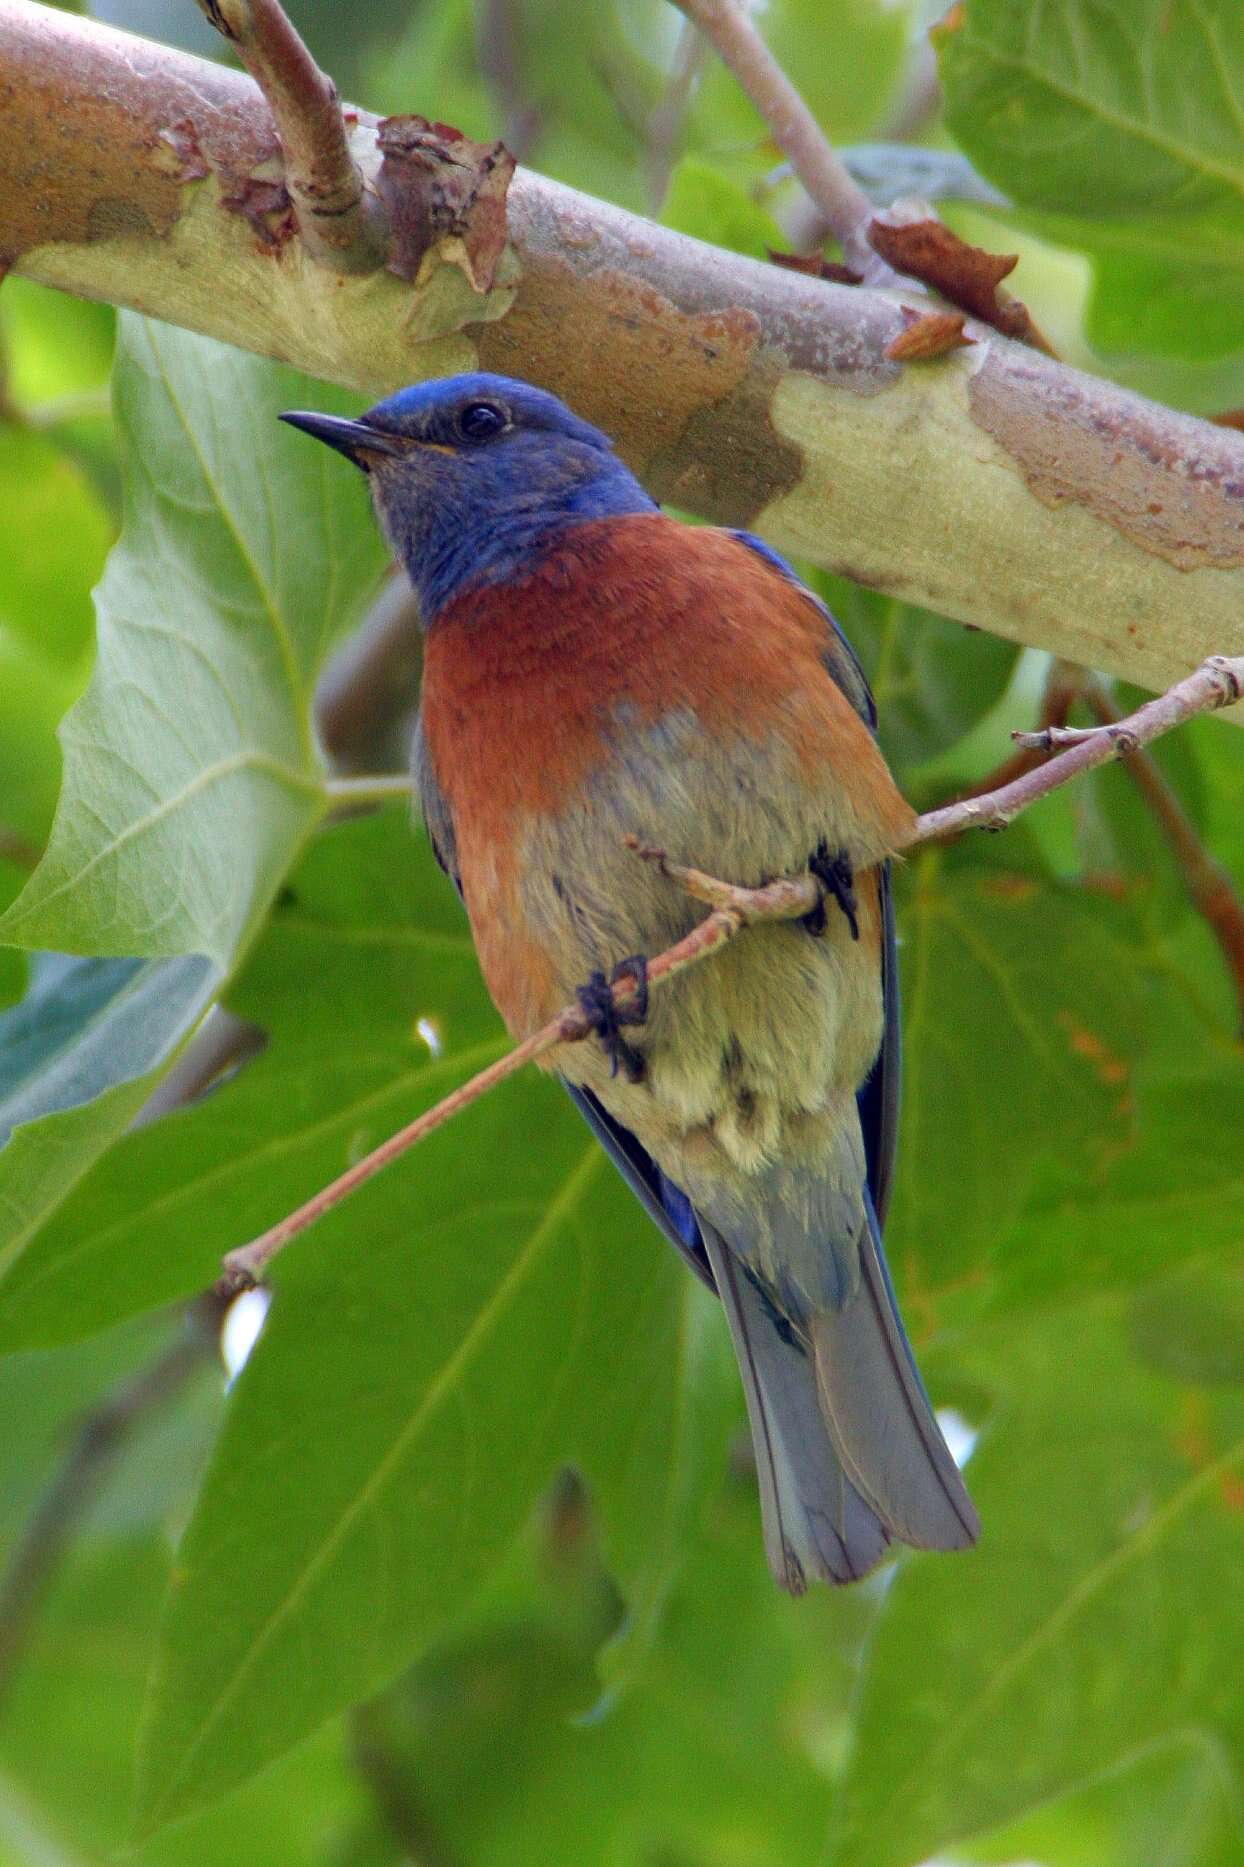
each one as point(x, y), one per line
point(479, 421)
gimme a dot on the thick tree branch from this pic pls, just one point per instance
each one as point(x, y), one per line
point(1219, 683)
point(995, 485)
point(323, 180)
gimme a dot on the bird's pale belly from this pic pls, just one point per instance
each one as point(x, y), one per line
point(757, 1051)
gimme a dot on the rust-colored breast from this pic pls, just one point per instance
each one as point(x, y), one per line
point(520, 679)
point(523, 684)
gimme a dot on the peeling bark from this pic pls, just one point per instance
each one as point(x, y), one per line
point(993, 484)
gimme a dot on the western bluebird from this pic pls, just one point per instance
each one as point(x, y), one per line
point(593, 669)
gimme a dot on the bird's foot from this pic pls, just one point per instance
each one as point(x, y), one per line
point(837, 878)
point(596, 1001)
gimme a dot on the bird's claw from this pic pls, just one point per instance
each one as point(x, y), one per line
point(837, 878)
point(596, 1001)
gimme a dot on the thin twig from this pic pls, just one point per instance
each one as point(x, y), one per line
point(99, 1441)
point(1219, 682)
point(1062, 689)
point(322, 177)
point(1211, 889)
point(839, 198)
point(733, 909)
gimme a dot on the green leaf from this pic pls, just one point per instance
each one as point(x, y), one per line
point(1095, 1620)
point(508, 1311)
point(56, 536)
point(67, 1741)
point(1119, 126)
point(1172, 1191)
point(367, 939)
point(191, 777)
point(1174, 1805)
point(77, 1059)
point(713, 206)
point(932, 679)
point(54, 345)
point(504, 1249)
point(1021, 1027)
point(719, 1754)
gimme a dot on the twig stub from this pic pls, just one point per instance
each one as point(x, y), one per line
point(323, 180)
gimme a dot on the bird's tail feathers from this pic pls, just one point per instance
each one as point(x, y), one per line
point(880, 1417)
point(816, 1523)
point(848, 1452)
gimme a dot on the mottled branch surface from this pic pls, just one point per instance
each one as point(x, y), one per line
point(994, 484)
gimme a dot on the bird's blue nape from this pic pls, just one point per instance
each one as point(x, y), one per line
point(464, 509)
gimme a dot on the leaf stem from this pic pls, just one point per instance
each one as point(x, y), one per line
point(378, 789)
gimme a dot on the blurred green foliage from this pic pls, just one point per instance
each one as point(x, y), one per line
point(350, 1615)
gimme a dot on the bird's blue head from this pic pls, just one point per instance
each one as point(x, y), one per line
point(472, 475)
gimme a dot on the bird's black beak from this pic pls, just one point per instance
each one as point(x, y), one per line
point(355, 439)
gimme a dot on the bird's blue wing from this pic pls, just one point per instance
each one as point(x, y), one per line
point(664, 1202)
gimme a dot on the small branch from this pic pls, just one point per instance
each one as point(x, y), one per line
point(397, 1802)
point(843, 203)
point(322, 177)
point(1062, 690)
point(99, 1441)
point(222, 1042)
point(1218, 682)
point(1210, 887)
point(733, 909)
point(366, 699)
